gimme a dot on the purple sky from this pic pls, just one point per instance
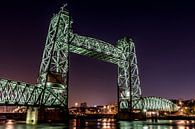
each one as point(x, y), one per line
point(163, 32)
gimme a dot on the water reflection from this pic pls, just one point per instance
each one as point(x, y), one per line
point(9, 127)
point(105, 123)
point(110, 124)
point(161, 124)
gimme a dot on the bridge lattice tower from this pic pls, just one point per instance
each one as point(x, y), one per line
point(55, 61)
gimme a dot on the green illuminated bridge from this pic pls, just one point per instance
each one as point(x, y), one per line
point(51, 89)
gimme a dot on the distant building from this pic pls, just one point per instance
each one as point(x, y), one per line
point(100, 109)
point(83, 105)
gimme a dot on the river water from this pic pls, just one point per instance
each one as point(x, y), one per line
point(110, 124)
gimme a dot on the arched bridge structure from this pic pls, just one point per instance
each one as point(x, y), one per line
point(155, 104)
point(51, 89)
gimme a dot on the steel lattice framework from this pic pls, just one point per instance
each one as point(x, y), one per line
point(156, 104)
point(52, 87)
point(23, 94)
point(61, 40)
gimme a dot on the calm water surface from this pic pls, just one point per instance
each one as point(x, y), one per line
point(111, 124)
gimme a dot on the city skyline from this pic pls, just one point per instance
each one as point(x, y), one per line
point(162, 32)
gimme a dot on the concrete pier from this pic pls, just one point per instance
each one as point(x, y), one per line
point(32, 115)
point(125, 115)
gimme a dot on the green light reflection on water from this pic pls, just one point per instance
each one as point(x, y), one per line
point(111, 124)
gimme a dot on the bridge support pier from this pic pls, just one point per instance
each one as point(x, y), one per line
point(32, 115)
point(125, 115)
point(53, 115)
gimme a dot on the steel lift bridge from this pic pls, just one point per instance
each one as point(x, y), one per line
point(51, 89)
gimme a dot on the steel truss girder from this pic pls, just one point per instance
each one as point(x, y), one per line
point(23, 94)
point(95, 48)
point(155, 104)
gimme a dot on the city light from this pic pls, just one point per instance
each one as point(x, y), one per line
point(76, 104)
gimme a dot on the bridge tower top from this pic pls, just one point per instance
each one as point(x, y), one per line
point(64, 10)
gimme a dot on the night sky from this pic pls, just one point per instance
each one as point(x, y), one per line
point(163, 32)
